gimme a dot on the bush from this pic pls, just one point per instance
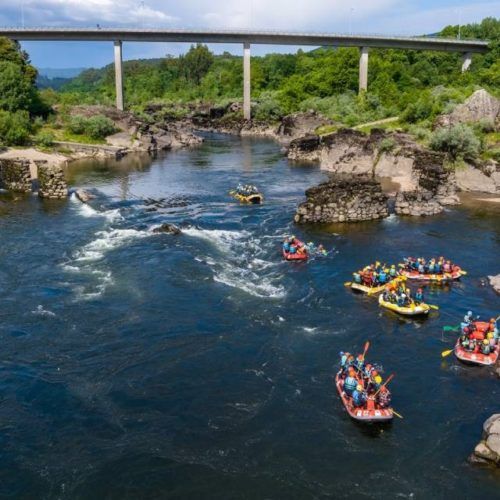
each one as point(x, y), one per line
point(44, 138)
point(268, 108)
point(99, 126)
point(14, 128)
point(486, 125)
point(458, 142)
point(96, 127)
point(387, 144)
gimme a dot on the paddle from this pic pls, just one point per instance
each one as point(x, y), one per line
point(436, 308)
point(451, 328)
point(396, 413)
point(348, 283)
point(446, 353)
point(367, 346)
point(389, 378)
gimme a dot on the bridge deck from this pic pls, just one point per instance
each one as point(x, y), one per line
point(241, 36)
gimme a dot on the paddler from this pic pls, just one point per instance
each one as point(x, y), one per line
point(350, 382)
point(286, 245)
point(485, 347)
point(360, 362)
point(419, 296)
point(382, 277)
point(344, 356)
point(359, 396)
point(384, 398)
point(357, 278)
point(393, 272)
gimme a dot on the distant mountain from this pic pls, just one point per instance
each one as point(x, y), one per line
point(60, 72)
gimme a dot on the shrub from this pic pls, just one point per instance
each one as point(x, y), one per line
point(14, 128)
point(486, 125)
point(44, 138)
point(458, 142)
point(99, 126)
point(387, 144)
point(96, 127)
point(268, 107)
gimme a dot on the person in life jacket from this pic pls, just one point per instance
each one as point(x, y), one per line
point(344, 356)
point(367, 370)
point(357, 278)
point(485, 347)
point(286, 245)
point(419, 296)
point(421, 268)
point(447, 267)
point(384, 398)
point(392, 271)
point(360, 362)
point(494, 329)
point(350, 382)
point(382, 277)
point(359, 396)
point(468, 318)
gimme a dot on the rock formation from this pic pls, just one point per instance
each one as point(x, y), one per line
point(487, 450)
point(301, 124)
point(481, 105)
point(343, 199)
point(15, 175)
point(84, 196)
point(52, 183)
point(495, 282)
point(167, 228)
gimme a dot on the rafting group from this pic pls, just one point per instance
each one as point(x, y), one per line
point(294, 249)
point(435, 269)
point(479, 341)
point(246, 193)
point(363, 392)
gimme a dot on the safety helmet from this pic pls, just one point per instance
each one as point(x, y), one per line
point(393, 265)
point(485, 341)
point(359, 387)
point(469, 313)
point(493, 320)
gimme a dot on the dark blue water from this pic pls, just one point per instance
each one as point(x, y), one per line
point(137, 365)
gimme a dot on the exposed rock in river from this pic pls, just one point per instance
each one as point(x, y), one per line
point(495, 282)
point(167, 228)
point(84, 196)
point(343, 199)
point(488, 449)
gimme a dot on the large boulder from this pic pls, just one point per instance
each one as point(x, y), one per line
point(301, 124)
point(167, 228)
point(487, 450)
point(481, 105)
point(495, 282)
point(484, 180)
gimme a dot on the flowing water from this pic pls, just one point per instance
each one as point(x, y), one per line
point(142, 365)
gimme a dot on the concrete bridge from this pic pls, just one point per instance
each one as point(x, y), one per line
point(246, 38)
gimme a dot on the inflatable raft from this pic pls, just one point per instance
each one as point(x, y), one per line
point(476, 358)
point(411, 310)
point(372, 289)
point(252, 199)
point(433, 278)
point(362, 414)
point(295, 256)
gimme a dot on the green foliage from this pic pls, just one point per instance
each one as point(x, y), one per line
point(96, 127)
point(386, 145)
point(15, 128)
point(458, 142)
point(197, 62)
point(269, 107)
point(44, 138)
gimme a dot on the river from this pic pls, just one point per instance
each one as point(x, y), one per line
point(141, 365)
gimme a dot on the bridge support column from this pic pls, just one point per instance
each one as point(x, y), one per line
point(363, 69)
point(247, 98)
point(466, 61)
point(119, 75)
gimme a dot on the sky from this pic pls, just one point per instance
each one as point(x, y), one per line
point(406, 17)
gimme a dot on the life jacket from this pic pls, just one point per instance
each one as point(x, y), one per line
point(384, 399)
point(358, 398)
point(350, 384)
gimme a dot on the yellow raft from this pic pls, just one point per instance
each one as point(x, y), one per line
point(411, 310)
point(370, 290)
point(252, 199)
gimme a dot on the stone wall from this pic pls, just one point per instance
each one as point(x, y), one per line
point(416, 203)
point(15, 175)
point(343, 200)
point(52, 183)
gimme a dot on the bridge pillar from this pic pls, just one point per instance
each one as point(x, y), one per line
point(363, 69)
point(119, 75)
point(466, 61)
point(247, 98)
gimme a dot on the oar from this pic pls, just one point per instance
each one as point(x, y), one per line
point(367, 346)
point(446, 353)
point(389, 378)
point(451, 328)
point(348, 283)
point(396, 413)
point(436, 308)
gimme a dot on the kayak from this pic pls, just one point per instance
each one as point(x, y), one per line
point(372, 289)
point(412, 310)
point(361, 414)
point(476, 358)
point(252, 199)
point(436, 278)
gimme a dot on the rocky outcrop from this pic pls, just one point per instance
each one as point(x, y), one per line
point(343, 199)
point(84, 196)
point(487, 450)
point(481, 105)
point(416, 203)
point(52, 183)
point(301, 124)
point(15, 175)
point(485, 179)
point(167, 228)
point(495, 282)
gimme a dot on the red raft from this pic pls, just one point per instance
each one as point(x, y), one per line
point(362, 414)
point(477, 358)
point(296, 256)
point(435, 278)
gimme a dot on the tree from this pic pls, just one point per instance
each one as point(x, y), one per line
point(197, 62)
